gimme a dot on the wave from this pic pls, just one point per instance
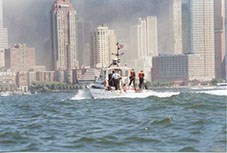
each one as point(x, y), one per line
point(188, 149)
point(166, 121)
point(222, 92)
point(102, 94)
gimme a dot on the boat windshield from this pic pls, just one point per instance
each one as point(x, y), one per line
point(121, 71)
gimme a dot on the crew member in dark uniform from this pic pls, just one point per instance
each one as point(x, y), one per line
point(110, 79)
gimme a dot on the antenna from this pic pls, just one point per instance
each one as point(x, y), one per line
point(118, 54)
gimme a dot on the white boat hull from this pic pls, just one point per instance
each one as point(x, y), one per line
point(105, 94)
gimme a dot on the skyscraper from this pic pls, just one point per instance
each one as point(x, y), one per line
point(186, 21)
point(84, 45)
point(219, 18)
point(169, 26)
point(225, 64)
point(201, 34)
point(103, 45)
point(64, 35)
point(152, 36)
point(3, 37)
point(143, 44)
point(175, 27)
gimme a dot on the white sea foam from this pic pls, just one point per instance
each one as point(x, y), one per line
point(146, 94)
point(82, 94)
point(222, 92)
point(5, 94)
point(102, 94)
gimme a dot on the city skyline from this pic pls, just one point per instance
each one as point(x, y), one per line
point(199, 36)
point(23, 21)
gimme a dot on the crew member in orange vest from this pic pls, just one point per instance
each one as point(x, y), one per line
point(132, 78)
point(141, 79)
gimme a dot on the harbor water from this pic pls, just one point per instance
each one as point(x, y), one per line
point(188, 121)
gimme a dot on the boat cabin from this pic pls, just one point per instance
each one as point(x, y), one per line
point(106, 73)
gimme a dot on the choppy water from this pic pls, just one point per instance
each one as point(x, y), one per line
point(190, 121)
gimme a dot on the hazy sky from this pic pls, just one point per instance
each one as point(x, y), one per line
point(28, 21)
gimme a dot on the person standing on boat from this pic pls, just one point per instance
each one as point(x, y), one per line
point(132, 78)
point(141, 79)
point(110, 79)
point(116, 79)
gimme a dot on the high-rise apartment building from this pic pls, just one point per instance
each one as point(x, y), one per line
point(20, 58)
point(175, 27)
point(200, 34)
point(219, 23)
point(64, 35)
point(103, 45)
point(3, 37)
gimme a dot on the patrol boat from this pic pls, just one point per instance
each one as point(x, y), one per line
point(101, 88)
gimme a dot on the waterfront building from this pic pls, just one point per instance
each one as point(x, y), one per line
point(22, 81)
point(84, 42)
point(88, 75)
point(7, 81)
point(49, 76)
point(198, 18)
point(177, 68)
point(103, 45)
point(64, 35)
point(71, 76)
point(219, 18)
point(3, 37)
point(170, 68)
point(60, 76)
point(39, 68)
point(31, 77)
point(41, 76)
point(20, 58)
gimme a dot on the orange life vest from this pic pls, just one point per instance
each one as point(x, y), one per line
point(132, 74)
point(141, 75)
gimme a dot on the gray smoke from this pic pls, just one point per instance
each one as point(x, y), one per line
point(28, 21)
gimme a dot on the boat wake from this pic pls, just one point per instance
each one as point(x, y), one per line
point(82, 94)
point(147, 93)
point(221, 92)
point(102, 94)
